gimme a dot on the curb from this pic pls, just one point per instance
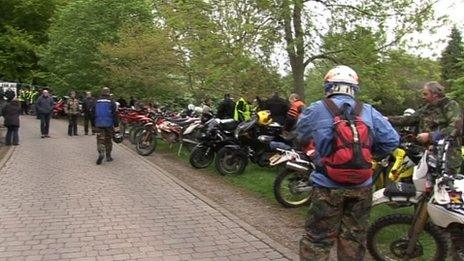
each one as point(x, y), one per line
point(6, 157)
point(287, 253)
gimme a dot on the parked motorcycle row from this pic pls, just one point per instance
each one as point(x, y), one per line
point(409, 177)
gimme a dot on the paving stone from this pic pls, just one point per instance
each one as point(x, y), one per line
point(57, 204)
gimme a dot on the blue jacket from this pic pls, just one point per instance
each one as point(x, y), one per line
point(316, 123)
point(104, 113)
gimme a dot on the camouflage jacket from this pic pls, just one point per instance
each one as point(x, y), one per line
point(72, 106)
point(440, 119)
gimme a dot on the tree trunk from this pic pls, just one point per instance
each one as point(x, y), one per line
point(298, 79)
point(295, 43)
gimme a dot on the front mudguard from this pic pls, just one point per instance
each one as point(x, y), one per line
point(378, 198)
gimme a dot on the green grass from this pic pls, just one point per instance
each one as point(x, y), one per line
point(260, 181)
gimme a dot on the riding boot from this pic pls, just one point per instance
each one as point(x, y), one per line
point(101, 155)
point(108, 157)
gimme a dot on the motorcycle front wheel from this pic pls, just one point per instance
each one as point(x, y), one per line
point(201, 157)
point(230, 162)
point(292, 189)
point(146, 143)
point(387, 239)
point(134, 133)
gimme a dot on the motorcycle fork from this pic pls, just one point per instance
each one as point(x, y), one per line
point(420, 219)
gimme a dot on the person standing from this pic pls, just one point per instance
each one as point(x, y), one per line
point(226, 108)
point(87, 106)
point(440, 118)
point(242, 110)
point(44, 110)
point(11, 113)
point(72, 110)
point(278, 108)
point(339, 211)
point(294, 112)
point(106, 123)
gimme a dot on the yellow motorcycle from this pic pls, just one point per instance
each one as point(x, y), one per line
point(398, 166)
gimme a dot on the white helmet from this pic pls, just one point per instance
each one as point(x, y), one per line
point(408, 112)
point(191, 107)
point(341, 79)
point(342, 74)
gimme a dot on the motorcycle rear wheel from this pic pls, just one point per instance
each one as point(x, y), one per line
point(201, 157)
point(230, 162)
point(146, 143)
point(285, 186)
point(387, 240)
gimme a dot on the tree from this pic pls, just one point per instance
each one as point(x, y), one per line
point(225, 46)
point(23, 33)
point(304, 22)
point(451, 56)
point(73, 56)
point(143, 63)
point(386, 78)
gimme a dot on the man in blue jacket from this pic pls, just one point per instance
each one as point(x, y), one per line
point(106, 123)
point(339, 212)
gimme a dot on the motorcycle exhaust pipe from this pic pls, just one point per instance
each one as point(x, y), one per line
point(296, 167)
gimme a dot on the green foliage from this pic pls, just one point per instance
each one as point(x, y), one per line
point(220, 45)
point(305, 25)
point(385, 79)
point(143, 63)
point(80, 27)
point(457, 86)
point(451, 56)
point(23, 26)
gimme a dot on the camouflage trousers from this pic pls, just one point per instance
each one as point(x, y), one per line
point(104, 140)
point(454, 159)
point(336, 215)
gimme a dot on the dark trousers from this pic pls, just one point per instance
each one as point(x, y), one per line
point(24, 107)
point(12, 136)
point(88, 118)
point(72, 125)
point(44, 123)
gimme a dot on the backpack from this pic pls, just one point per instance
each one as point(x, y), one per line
point(350, 160)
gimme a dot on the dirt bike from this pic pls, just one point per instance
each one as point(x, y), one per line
point(217, 133)
point(253, 144)
point(130, 119)
point(292, 186)
point(171, 130)
point(438, 203)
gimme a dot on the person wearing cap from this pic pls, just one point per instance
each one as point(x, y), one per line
point(439, 118)
point(339, 212)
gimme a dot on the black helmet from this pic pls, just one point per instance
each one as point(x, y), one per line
point(117, 137)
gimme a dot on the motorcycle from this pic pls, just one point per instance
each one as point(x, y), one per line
point(217, 134)
point(292, 186)
point(438, 203)
point(171, 130)
point(59, 107)
point(252, 144)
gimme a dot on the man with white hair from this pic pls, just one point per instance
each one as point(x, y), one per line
point(44, 108)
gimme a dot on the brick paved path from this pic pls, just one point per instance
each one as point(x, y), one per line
point(57, 204)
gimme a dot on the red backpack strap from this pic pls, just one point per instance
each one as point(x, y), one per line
point(358, 108)
point(332, 107)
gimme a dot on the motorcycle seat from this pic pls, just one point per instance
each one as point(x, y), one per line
point(400, 189)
